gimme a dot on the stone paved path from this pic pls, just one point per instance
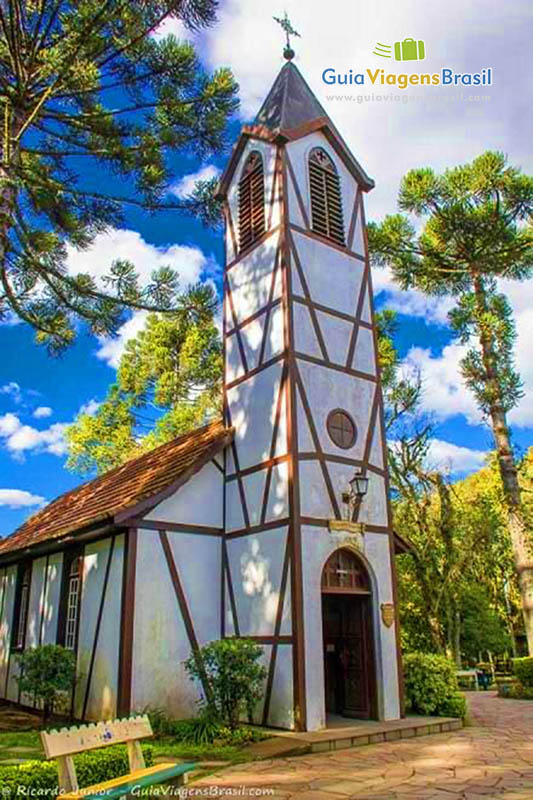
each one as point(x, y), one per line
point(492, 758)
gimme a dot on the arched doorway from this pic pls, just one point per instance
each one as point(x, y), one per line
point(349, 661)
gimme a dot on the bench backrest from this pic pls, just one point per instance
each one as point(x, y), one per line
point(68, 741)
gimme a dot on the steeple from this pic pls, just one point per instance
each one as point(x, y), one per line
point(302, 391)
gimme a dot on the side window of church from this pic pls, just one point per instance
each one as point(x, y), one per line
point(326, 202)
point(70, 601)
point(251, 201)
point(22, 599)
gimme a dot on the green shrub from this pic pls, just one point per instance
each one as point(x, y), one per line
point(523, 669)
point(515, 691)
point(201, 730)
point(234, 677)
point(431, 686)
point(162, 724)
point(39, 778)
point(453, 706)
point(46, 673)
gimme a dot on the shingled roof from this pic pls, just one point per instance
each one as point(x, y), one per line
point(152, 475)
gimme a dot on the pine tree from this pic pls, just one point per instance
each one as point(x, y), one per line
point(476, 229)
point(88, 92)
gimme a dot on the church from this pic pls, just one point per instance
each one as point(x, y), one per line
point(272, 523)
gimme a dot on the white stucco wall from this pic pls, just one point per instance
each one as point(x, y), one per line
point(250, 280)
point(317, 546)
point(198, 502)
point(51, 599)
point(43, 605)
point(8, 578)
point(252, 407)
point(102, 700)
point(256, 563)
point(161, 643)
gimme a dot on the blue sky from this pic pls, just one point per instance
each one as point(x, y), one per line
point(40, 395)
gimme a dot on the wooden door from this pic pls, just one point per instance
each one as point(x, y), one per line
point(349, 666)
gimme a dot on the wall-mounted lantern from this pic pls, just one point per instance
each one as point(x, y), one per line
point(354, 497)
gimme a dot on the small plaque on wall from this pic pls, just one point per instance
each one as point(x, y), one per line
point(387, 614)
point(343, 525)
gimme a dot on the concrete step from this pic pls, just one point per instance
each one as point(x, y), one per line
point(293, 743)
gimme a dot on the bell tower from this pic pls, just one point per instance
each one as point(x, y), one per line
point(302, 392)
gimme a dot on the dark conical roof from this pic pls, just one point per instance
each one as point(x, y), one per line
point(289, 103)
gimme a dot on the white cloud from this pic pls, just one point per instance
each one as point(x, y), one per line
point(448, 456)
point(9, 423)
point(173, 26)
point(120, 244)
point(444, 392)
point(19, 438)
point(13, 390)
point(41, 412)
point(19, 498)
point(185, 186)
point(90, 407)
point(188, 261)
point(412, 303)
point(112, 347)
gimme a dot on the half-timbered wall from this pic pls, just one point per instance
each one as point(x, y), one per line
point(177, 591)
point(41, 622)
point(299, 343)
point(99, 629)
point(335, 367)
point(8, 580)
point(257, 545)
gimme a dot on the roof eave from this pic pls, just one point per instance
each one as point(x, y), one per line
point(282, 135)
point(96, 530)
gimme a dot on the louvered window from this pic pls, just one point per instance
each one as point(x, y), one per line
point(251, 201)
point(326, 203)
point(73, 595)
point(21, 607)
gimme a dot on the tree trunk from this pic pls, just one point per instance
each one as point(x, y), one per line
point(457, 635)
point(510, 621)
point(523, 556)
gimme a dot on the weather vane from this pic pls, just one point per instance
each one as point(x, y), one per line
point(285, 23)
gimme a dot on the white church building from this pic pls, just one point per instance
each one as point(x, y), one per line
point(272, 523)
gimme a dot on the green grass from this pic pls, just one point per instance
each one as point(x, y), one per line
point(163, 746)
point(167, 746)
point(20, 739)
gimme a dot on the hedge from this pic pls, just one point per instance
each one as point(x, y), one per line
point(39, 778)
point(431, 686)
point(523, 669)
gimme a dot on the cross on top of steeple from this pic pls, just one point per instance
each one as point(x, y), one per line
point(286, 26)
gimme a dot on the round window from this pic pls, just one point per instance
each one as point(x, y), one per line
point(341, 429)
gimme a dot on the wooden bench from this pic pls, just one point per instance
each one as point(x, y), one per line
point(63, 744)
point(469, 676)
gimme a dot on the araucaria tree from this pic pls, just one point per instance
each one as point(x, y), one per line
point(476, 229)
point(168, 382)
point(92, 106)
